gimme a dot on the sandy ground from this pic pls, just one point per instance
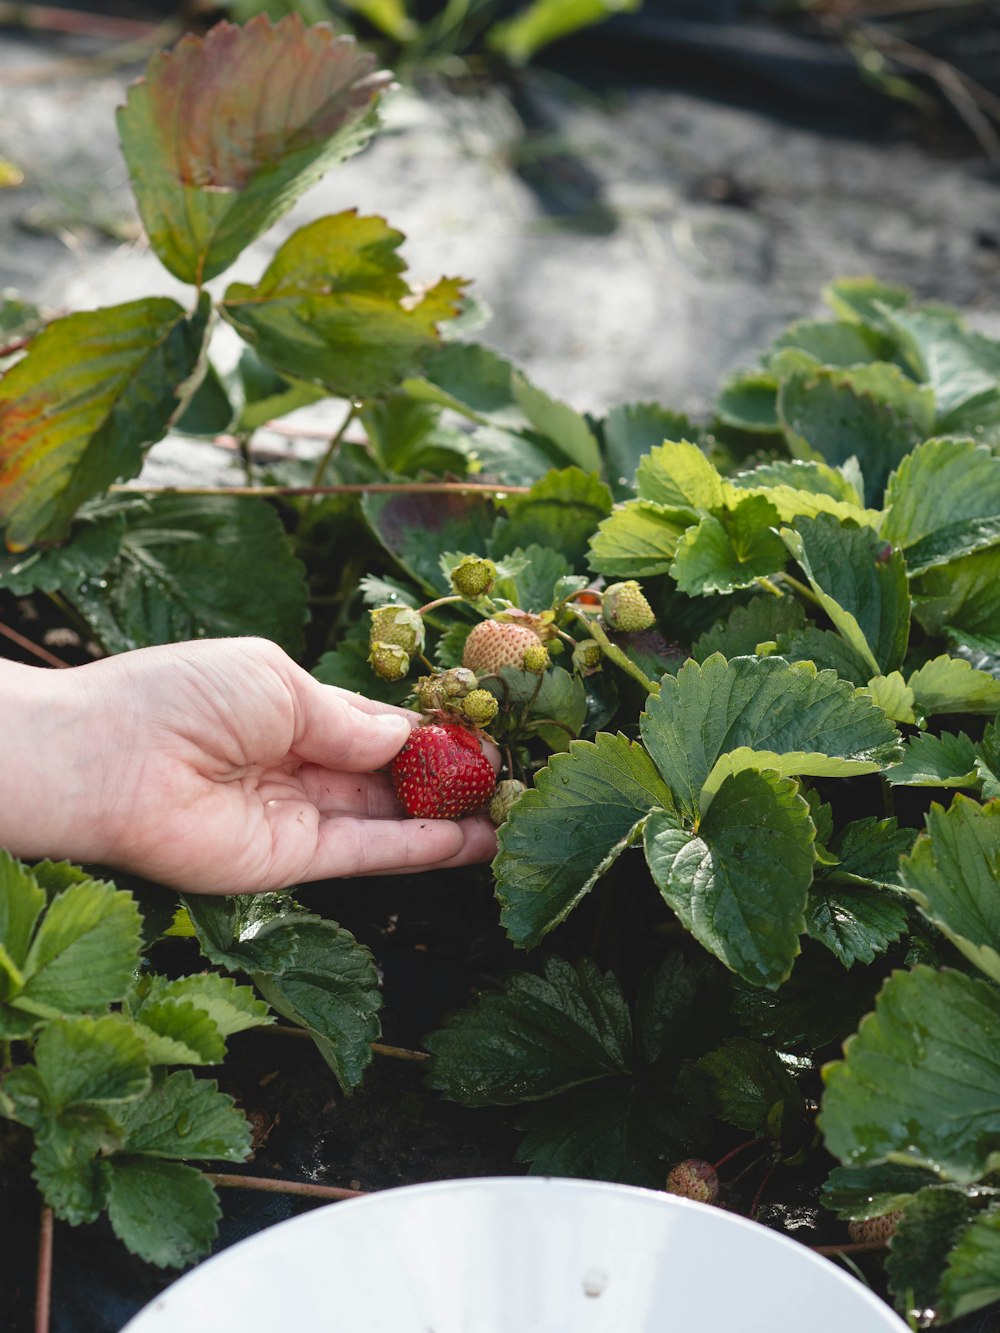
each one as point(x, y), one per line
point(707, 227)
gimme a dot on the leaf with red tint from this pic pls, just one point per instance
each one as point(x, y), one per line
point(417, 529)
point(78, 409)
point(225, 132)
point(332, 308)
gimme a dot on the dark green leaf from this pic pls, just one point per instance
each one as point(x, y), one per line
point(586, 807)
point(862, 589)
point(952, 874)
point(90, 1062)
point(182, 574)
point(671, 998)
point(536, 1038)
point(331, 988)
point(93, 543)
point(417, 529)
point(842, 414)
point(186, 1117)
point(856, 924)
point(632, 430)
point(561, 510)
point(332, 308)
point(67, 1170)
point(961, 601)
point(225, 132)
point(857, 1192)
point(771, 714)
point(753, 1090)
point(739, 883)
point(912, 1087)
point(748, 401)
point(866, 301)
point(763, 620)
point(165, 1212)
point(948, 760)
point(930, 1225)
point(78, 409)
point(971, 1278)
point(832, 343)
point(228, 930)
point(556, 421)
point(347, 666)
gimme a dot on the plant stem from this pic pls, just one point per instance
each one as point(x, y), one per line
point(801, 588)
point(331, 448)
point(392, 1052)
point(850, 1247)
point(29, 647)
point(267, 1185)
point(440, 601)
point(361, 488)
point(43, 1288)
point(614, 653)
point(734, 1152)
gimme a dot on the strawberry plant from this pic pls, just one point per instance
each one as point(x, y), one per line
point(743, 676)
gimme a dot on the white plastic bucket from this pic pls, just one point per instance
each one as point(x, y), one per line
point(518, 1255)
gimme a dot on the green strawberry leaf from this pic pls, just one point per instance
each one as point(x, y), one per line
point(333, 309)
point(948, 760)
point(417, 529)
point(630, 431)
point(739, 883)
point(584, 810)
point(748, 401)
point(872, 413)
point(929, 1227)
point(762, 620)
point(751, 1087)
point(77, 411)
point(833, 343)
point(678, 475)
point(185, 1117)
point(637, 541)
point(952, 875)
point(911, 1088)
point(969, 1280)
point(83, 953)
point(711, 720)
point(537, 1037)
point(561, 510)
point(862, 587)
point(80, 1062)
point(67, 1169)
point(952, 685)
point(167, 1213)
point(181, 574)
point(856, 1192)
point(942, 502)
point(955, 362)
point(94, 540)
point(226, 131)
point(331, 988)
point(961, 601)
point(866, 301)
point(856, 924)
point(229, 930)
point(558, 422)
point(730, 552)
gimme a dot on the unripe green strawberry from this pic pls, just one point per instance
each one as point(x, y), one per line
point(536, 659)
point(625, 608)
point(480, 707)
point(444, 688)
point(587, 657)
point(694, 1179)
point(473, 576)
point(503, 800)
point(875, 1229)
point(493, 645)
point(397, 624)
point(389, 661)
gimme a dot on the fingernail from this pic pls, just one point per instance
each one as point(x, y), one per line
point(393, 724)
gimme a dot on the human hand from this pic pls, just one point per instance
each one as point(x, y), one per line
point(219, 766)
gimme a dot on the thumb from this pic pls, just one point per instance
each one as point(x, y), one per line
point(336, 734)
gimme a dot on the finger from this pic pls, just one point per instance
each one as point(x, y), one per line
point(337, 734)
point(367, 705)
point(348, 846)
point(479, 844)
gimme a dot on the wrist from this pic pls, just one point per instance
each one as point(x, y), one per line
point(51, 777)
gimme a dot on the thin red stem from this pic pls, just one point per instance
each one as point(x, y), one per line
point(267, 1185)
point(29, 647)
point(734, 1152)
point(43, 1290)
point(851, 1247)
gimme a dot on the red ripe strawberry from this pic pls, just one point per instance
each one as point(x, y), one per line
point(441, 772)
point(494, 644)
